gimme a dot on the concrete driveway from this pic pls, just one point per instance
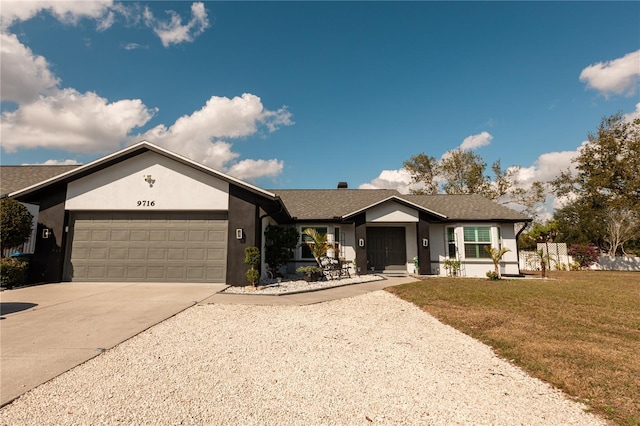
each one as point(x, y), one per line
point(46, 330)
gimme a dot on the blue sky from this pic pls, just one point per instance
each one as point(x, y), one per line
point(306, 94)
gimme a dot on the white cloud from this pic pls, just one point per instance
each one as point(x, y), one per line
point(251, 169)
point(399, 180)
point(476, 141)
point(65, 11)
point(48, 116)
point(548, 166)
point(633, 115)
point(198, 135)
point(619, 76)
point(134, 46)
point(174, 31)
point(67, 162)
point(23, 75)
point(66, 119)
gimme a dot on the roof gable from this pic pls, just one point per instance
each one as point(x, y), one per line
point(130, 152)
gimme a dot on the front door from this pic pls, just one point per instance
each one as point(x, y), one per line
point(386, 248)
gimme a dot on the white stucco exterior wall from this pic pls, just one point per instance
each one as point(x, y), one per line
point(475, 267)
point(122, 186)
point(391, 212)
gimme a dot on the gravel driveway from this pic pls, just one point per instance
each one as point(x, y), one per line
point(371, 359)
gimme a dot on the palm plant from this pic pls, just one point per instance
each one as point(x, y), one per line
point(496, 256)
point(318, 245)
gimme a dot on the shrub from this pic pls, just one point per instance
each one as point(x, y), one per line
point(280, 243)
point(253, 276)
point(584, 254)
point(16, 224)
point(252, 258)
point(311, 273)
point(12, 272)
point(493, 276)
point(309, 269)
point(452, 266)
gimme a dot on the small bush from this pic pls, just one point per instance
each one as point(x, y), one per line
point(585, 255)
point(309, 269)
point(493, 276)
point(252, 258)
point(12, 272)
point(253, 276)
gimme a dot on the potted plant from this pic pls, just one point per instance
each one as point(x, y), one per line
point(252, 258)
point(311, 273)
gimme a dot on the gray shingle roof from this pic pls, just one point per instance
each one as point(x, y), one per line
point(314, 204)
point(13, 178)
point(323, 204)
point(466, 207)
point(327, 204)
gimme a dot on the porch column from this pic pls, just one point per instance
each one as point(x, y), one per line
point(361, 234)
point(424, 253)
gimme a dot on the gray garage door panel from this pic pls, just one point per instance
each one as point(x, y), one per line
point(146, 246)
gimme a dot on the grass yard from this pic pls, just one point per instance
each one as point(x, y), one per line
point(579, 331)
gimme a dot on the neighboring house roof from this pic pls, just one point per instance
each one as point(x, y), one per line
point(14, 178)
point(331, 204)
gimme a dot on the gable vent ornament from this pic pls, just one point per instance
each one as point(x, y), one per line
point(149, 180)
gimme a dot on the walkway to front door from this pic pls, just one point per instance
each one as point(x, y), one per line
point(386, 248)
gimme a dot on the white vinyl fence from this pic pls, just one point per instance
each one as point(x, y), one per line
point(560, 260)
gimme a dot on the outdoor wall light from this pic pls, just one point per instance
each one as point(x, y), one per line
point(239, 234)
point(361, 242)
point(425, 242)
point(46, 232)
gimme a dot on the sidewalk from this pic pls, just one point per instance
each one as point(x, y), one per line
point(308, 298)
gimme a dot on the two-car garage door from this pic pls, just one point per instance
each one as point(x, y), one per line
point(148, 246)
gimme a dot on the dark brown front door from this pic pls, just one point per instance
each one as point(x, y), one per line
point(386, 248)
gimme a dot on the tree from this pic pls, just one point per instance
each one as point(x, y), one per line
point(423, 169)
point(507, 189)
point(539, 231)
point(496, 256)
point(606, 180)
point(621, 226)
point(319, 244)
point(463, 172)
point(16, 224)
point(280, 242)
point(581, 222)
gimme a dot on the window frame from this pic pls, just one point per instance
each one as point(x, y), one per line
point(474, 243)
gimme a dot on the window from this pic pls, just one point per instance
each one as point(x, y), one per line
point(306, 251)
point(338, 245)
point(475, 239)
point(451, 242)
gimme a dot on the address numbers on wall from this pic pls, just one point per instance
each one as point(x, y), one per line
point(146, 203)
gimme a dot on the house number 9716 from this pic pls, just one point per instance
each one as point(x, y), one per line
point(146, 203)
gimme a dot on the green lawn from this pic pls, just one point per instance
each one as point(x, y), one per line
point(579, 331)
